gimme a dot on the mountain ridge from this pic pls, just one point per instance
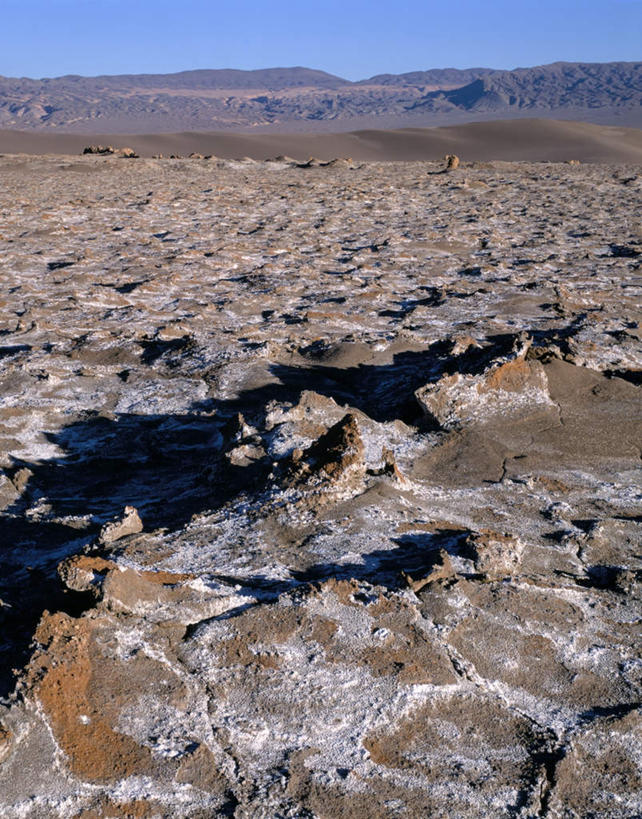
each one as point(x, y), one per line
point(309, 99)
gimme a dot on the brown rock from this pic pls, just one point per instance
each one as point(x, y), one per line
point(513, 385)
point(6, 739)
point(495, 554)
point(82, 573)
point(93, 749)
point(335, 458)
point(128, 524)
point(442, 570)
point(452, 162)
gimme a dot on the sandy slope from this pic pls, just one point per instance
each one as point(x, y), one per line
point(516, 140)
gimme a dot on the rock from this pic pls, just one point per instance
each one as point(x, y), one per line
point(340, 162)
point(21, 478)
point(245, 454)
point(128, 524)
point(495, 554)
point(312, 162)
point(512, 384)
point(389, 467)
point(452, 162)
point(82, 573)
point(99, 149)
point(599, 774)
point(237, 429)
point(442, 570)
point(335, 460)
point(8, 492)
point(104, 150)
point(195, 155)
point(6, 739)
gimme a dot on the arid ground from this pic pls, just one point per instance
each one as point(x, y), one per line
point(320, 488)
point(531, 139)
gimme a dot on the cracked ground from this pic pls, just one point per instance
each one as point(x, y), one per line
point(320, 489)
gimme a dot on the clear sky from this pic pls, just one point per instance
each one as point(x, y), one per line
point(352, 38)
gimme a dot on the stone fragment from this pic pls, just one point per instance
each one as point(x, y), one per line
point(389, 467)
point(336, 458)
point(8, 492)
point(83, 573)
point(442, 570)
point(245, 454)
point(21, 478)
point(452, 162)
point(6, 739)
point(495, 554)
point(128, 524)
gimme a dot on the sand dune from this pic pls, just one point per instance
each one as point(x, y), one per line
point(514, 140)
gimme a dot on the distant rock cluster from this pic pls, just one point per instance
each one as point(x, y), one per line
point(106, 150)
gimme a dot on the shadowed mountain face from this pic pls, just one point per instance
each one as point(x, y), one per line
point(306, 99)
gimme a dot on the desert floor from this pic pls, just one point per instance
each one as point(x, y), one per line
point(378, 429)
point(522, 140)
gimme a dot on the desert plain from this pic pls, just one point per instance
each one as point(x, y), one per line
point(320, 488)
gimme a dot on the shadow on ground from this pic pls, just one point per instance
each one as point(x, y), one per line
point(171, 467)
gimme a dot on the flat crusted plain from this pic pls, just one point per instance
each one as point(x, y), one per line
point(319, 489)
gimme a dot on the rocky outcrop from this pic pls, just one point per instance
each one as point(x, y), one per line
point(513, 385)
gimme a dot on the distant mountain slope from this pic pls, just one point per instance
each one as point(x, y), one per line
point(305, 99)
point(442, 77)
point(559, 85)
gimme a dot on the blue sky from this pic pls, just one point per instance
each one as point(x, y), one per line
point(352, 38)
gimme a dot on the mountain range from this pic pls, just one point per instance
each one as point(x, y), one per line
point(303, 99)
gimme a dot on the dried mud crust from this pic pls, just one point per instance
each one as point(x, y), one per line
point(319, 489)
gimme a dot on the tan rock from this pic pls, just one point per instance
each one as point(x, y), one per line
point(442, 570)
point(128, 524)
point(496, 554)
point(83, 573)
point(6, 739)
point(512, 385)
point(337, 456)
